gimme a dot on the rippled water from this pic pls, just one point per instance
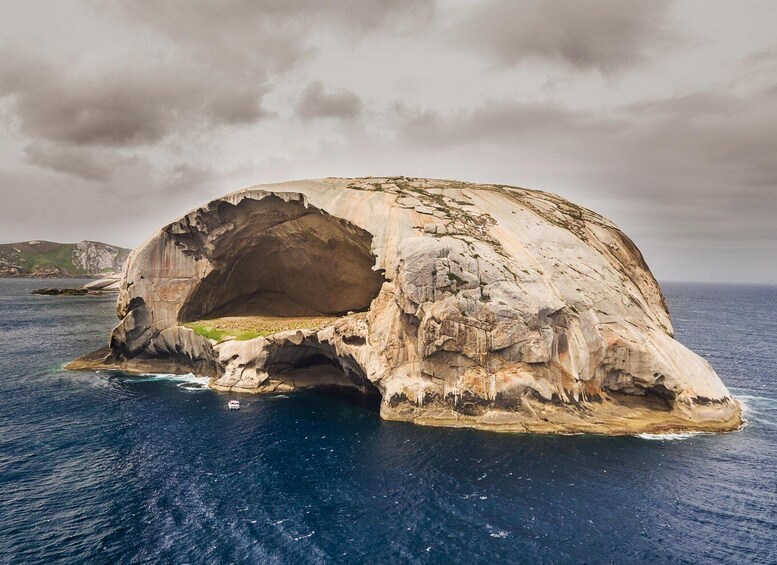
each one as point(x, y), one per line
point(110, 468)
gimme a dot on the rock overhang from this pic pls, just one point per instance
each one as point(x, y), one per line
point(281, 259)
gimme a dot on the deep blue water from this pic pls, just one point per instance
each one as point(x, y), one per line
point(108, 468)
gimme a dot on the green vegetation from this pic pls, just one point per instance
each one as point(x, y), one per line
point(242, 328)
point(60, 256)
point(222, 334)
point(42, 255)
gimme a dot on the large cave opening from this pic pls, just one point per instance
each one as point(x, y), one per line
point(278, 258)
point(317, 367)
point(279, 264)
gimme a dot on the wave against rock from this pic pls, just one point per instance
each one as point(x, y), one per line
point(454, 304)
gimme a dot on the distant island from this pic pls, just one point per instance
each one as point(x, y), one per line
point(49, 259)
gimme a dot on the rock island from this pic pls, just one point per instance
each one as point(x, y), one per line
point(448, 303)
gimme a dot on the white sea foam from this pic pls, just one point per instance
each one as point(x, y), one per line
point(188, 381)
point(496, 532)
point(755, 409)
point(756, 403)
point(758, 409)
point(670, 436)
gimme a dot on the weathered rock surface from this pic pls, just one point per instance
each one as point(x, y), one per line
point(96, 257)
point(484, 306)
point(110, 283)
point(95, 288)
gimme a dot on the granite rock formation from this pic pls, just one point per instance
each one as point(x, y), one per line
point(455, 304)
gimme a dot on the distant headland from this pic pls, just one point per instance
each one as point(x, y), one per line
point(42, 259)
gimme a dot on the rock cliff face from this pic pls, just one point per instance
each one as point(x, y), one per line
point(453, 303)
point(96, 257)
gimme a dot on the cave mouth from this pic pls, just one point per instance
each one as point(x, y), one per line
point(316, 367)
point(279, 258)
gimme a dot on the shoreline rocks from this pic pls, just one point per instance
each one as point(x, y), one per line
point(94, 288)
point(61, 291)
point(107, 284)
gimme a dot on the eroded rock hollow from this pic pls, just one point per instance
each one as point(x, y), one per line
point(449, 303)
point(279, 259)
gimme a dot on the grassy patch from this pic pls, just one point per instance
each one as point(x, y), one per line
point(222, 334)
point(60, 256)
point(242, 328)
point(43, 254)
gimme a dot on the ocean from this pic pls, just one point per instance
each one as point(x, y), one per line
point(109, 468)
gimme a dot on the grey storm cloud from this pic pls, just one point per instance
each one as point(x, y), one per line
point(497, 121)
point(726, 136)
point(261, 34)
point(185, 177)
point(198, 20)
point(607, 35)
point(80, 123)
point(120, 109)
point(97, 165)
point(315, 102)
point(215, 67)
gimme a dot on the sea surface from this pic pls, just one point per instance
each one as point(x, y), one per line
point(108, 468)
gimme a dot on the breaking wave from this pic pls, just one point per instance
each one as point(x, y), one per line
point(187, 381)
point(671, 436)
point(758, 410)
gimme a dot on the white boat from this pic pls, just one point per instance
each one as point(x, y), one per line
point(234, 404)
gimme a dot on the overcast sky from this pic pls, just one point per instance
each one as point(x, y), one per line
point(119, 116)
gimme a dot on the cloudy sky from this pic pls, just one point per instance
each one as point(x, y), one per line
point(118, 116)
